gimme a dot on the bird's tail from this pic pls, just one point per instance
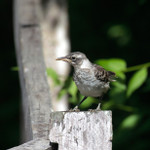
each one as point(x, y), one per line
point(111, 76)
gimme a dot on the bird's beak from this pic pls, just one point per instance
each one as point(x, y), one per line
point(64, 59)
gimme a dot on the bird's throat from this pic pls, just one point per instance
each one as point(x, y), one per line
point(86, 64)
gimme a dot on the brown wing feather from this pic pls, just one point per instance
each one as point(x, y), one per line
point(102, 74)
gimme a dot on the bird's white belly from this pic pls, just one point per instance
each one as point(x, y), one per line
point(90, 86)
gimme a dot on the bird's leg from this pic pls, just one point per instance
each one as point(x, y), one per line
point(99, 104)
point(76, 108)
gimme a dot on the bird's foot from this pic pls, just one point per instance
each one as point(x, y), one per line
point(98, 107)
point(92, 110)
point(76, 109)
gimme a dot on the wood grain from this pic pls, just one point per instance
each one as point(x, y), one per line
point(32, 71)
point(37, 144)
point(81, 130)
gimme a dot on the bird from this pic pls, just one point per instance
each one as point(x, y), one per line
point(91, 79)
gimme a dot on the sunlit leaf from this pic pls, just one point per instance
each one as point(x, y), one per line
point(52, 73)
point(107, 105)
point(137, 67)
point(121, 86)
point(72, 89)
point(114, 64)
point(130, 122)
point(62, 93)
point(136, 80)
point(120, 75)
point(88, 102)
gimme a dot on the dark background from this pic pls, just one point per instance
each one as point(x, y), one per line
point(92, 23)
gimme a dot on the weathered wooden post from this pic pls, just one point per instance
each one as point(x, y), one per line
point(42, 129)
point(36, 105)
point(81, 130)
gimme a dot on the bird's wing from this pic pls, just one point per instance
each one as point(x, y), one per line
point(102, 74)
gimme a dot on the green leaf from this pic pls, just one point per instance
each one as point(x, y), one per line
point(137, 67)
point(88, 102)
point(62, 93)
point(120, 75)
point(52, 73)
point(130, 122)
point(72, 89)
point(113, 64)
point(108, 105)
point(136, 81)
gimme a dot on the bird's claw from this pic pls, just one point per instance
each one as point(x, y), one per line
point(91, 110)
point(75, 109)
point(94, 110)
point(98, 107)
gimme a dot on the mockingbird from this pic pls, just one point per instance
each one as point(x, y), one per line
point(91, 79)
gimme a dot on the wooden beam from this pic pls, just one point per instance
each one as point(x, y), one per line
point(81, 130)
point(36, 105)
point(37, 144)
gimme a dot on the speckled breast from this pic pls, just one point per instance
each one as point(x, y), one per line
point(88, 85)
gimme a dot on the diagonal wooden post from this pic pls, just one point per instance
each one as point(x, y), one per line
point(35, 90)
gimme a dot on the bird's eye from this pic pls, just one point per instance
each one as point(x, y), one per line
point(73, 58)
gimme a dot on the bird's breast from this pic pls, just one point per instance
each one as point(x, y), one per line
point(88, 85)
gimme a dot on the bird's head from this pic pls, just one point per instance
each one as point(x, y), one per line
point(74, 58)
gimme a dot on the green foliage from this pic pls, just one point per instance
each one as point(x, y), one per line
point(120, 90)
point(88, 102)
point(115, 64)
point(130, 121)
point(120, 33)
point(136, 80)
point(51, 73)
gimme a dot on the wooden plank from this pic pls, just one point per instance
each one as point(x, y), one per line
point(37, 144)
point(36, 98)
point(27, 12)
point(36, 105)
point(81, 130)
point(35, 82)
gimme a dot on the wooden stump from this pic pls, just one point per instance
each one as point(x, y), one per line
point(81, 130)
